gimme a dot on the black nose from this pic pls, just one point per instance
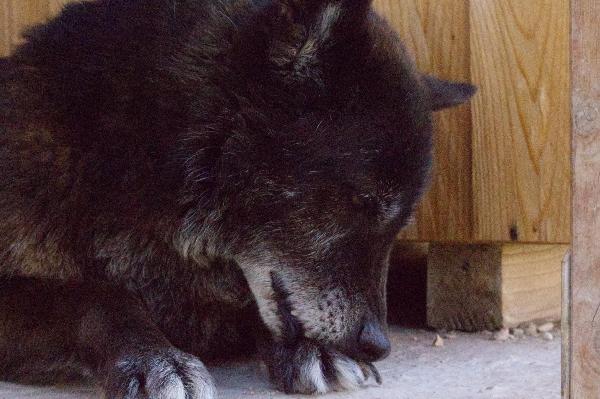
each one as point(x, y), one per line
point(373, 342)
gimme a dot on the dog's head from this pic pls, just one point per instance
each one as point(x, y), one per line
point(329, 151)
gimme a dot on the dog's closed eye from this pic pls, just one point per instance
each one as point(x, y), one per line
point(365, 203)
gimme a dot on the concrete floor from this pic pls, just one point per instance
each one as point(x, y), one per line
point(467, 366)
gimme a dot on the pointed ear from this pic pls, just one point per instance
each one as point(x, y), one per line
point(446, 94)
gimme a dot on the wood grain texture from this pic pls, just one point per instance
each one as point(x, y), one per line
point(531, 283)
point(521, 120)
point(585, 272)
point(437, 34)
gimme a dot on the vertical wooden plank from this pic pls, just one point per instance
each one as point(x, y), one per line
point(585, 273)
point(565, 326)
point(437, 33)
point(521, 161)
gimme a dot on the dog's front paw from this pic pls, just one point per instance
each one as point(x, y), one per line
point(158, 374)
point(306, 368)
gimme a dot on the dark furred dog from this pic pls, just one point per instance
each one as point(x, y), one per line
point(177, 174)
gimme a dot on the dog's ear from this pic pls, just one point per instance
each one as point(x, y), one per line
point(446, 94)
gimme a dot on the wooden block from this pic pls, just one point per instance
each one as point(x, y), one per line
point(486, 287)
point(437, 33)
point(464, 286)
point(531, 283)
point(585, 271)
point(521, 120)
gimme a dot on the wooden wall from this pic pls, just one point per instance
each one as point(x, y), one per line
point(503, 163)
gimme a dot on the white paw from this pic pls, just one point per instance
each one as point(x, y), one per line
point(164, 374)
point(309, 369)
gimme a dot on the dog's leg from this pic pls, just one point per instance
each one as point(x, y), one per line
point(48, 326)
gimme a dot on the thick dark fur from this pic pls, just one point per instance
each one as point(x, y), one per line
point(205, 175)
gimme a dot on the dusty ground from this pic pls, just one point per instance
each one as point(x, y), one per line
point(468, 366)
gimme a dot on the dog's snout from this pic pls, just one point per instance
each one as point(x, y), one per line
point(373, 342)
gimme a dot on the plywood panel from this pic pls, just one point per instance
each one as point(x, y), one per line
point(521, 162)
point(585, 273)
point(437, 33)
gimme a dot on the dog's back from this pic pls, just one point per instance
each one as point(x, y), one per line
point(84, 116)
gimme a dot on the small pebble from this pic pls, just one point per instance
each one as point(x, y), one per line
point(548, 336)
point(531, 330)
point(502, 335)
point(438, 342)
point(518, 332)
point(546, 327)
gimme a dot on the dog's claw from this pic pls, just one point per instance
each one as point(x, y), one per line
point(370, 370)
